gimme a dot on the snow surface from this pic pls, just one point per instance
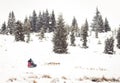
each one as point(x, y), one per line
point(78, 66)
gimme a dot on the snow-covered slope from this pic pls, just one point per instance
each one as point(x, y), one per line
point(78, 66)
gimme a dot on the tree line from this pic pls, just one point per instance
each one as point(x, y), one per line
point(46, 22)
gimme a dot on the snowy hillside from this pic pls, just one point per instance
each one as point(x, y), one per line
point(78, 66)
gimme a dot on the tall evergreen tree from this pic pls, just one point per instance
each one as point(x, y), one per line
point(84, 33)
point(86, 26)
point(39, 22)
point(11, 23)
point(52, 22)
point(101, 24)
point(118, 38)
point(109, 46)
point(72, 38)
point(106, 25)
point(97, 24)
point(60, 37)
point(47, 19)
point(75, 26)
point(19, 32)
point(27, 28)
point(43, 19)
point(34, 21)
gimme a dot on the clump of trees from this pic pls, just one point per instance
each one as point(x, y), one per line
point(45, 22)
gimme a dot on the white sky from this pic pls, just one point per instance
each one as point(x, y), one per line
point(81, 9)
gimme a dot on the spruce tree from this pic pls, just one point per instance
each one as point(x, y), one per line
point(4, 28)
point(109, 46)
point(84, 34)
point(43, 20)
point(106, 25)
point(47, 19)
point(118, 38)
point(34, 21)
point(27, 29)
point(60, 37)
point(101, 24)
point(39, 22)
point(19, 32)
point(97, 24)
point(86, 26)
point(75, 27)
point(72, 38)
point(11, 23)
point(52, 22)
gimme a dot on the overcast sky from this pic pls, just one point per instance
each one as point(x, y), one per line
point(81, 9)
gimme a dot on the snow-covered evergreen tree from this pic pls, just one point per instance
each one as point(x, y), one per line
point(84, 34)
point(11, 23)
point(72, 38)
point(4, 28)
point(52, 22)
point(86, 26)
point(60, 37)
point(109, 46)
point(118, 38)
point(39, 22)
point(75, 27)
point(106, 25)
point(47, 19)
point(101, 25)
point(34, 21)
point(19, 32)
point(97, 24)
point(27, 29)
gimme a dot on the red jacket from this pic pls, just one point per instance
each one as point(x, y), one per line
point(29, 64)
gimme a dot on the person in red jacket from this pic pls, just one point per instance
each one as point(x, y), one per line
point(31, 63)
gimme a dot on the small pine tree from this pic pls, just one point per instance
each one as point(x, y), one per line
point(27, 29)
point(3, 28)
point(109, 46)
point(84, 34)
point(19, 32)
point(11, 23)
point(60, 37)
point(118, 38)
point(75, 27)
point(72, 38)
point(106, 25)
